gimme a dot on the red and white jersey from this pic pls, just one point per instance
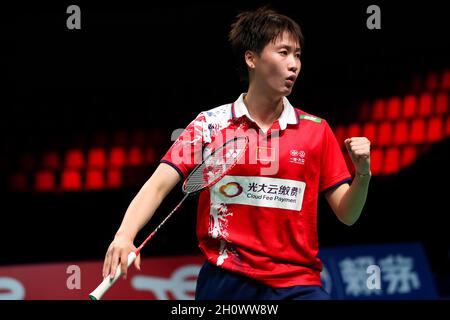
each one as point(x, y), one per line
point(260, 219)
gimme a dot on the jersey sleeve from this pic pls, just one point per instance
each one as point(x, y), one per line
point(333, 168)
point(186, 152)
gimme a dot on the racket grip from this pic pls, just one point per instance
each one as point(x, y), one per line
point(108, 282)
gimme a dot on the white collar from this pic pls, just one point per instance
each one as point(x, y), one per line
point(288, 116)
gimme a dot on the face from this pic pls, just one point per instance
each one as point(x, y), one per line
point(276, 69)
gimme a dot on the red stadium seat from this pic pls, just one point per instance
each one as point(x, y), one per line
point(417, 131)
point(354, 130)
point(378, 110)
point(364, 112)
point(376, 160)
point(96, 158)
point(391, 161)
point(401, 132)
point(44, 181)
point(51, 160)
point(425, 104)
point(114, 178)
point(393, 108)
point(135, 156)
point(74, 159)
point(117, 157)
point(71, 180)
point(432, 81)
point(369, 131)
point(434, 129)
point(445, 82)
point(384, 134)
point(94, 179)
point(442, 103)
point(409, 106)
point(409, 155)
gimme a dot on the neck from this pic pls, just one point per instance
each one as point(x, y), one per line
point(263, 108)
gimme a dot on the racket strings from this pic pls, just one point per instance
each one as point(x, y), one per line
point(214, 166)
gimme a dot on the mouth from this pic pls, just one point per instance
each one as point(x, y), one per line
point(290, 80)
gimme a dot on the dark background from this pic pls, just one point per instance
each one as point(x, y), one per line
point(156, 66)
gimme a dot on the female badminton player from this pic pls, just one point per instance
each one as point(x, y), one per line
point(257, 226)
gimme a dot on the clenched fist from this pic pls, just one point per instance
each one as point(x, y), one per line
point(359, 151)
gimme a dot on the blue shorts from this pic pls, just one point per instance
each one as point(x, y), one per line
point(215, 283)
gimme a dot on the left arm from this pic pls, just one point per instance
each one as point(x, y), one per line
point(347, 201)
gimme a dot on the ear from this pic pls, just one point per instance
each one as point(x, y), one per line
point(250, 58)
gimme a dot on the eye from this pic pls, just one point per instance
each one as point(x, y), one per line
point(283, 53)
point(297, 55)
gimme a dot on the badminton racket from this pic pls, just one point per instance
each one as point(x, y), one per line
point(213, 168)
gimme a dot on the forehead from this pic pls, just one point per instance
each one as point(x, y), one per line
point(285, 39)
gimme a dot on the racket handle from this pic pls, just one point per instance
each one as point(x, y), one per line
point(108, 282)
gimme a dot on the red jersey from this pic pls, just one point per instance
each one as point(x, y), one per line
point(260, 219)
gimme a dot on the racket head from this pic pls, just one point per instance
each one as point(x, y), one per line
point(216, 165)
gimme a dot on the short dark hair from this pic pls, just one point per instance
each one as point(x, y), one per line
point(254, 30)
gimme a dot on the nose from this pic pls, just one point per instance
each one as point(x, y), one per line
point(294, 64)
point(293, 68)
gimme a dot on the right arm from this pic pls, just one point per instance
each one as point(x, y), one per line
point(139, 212)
